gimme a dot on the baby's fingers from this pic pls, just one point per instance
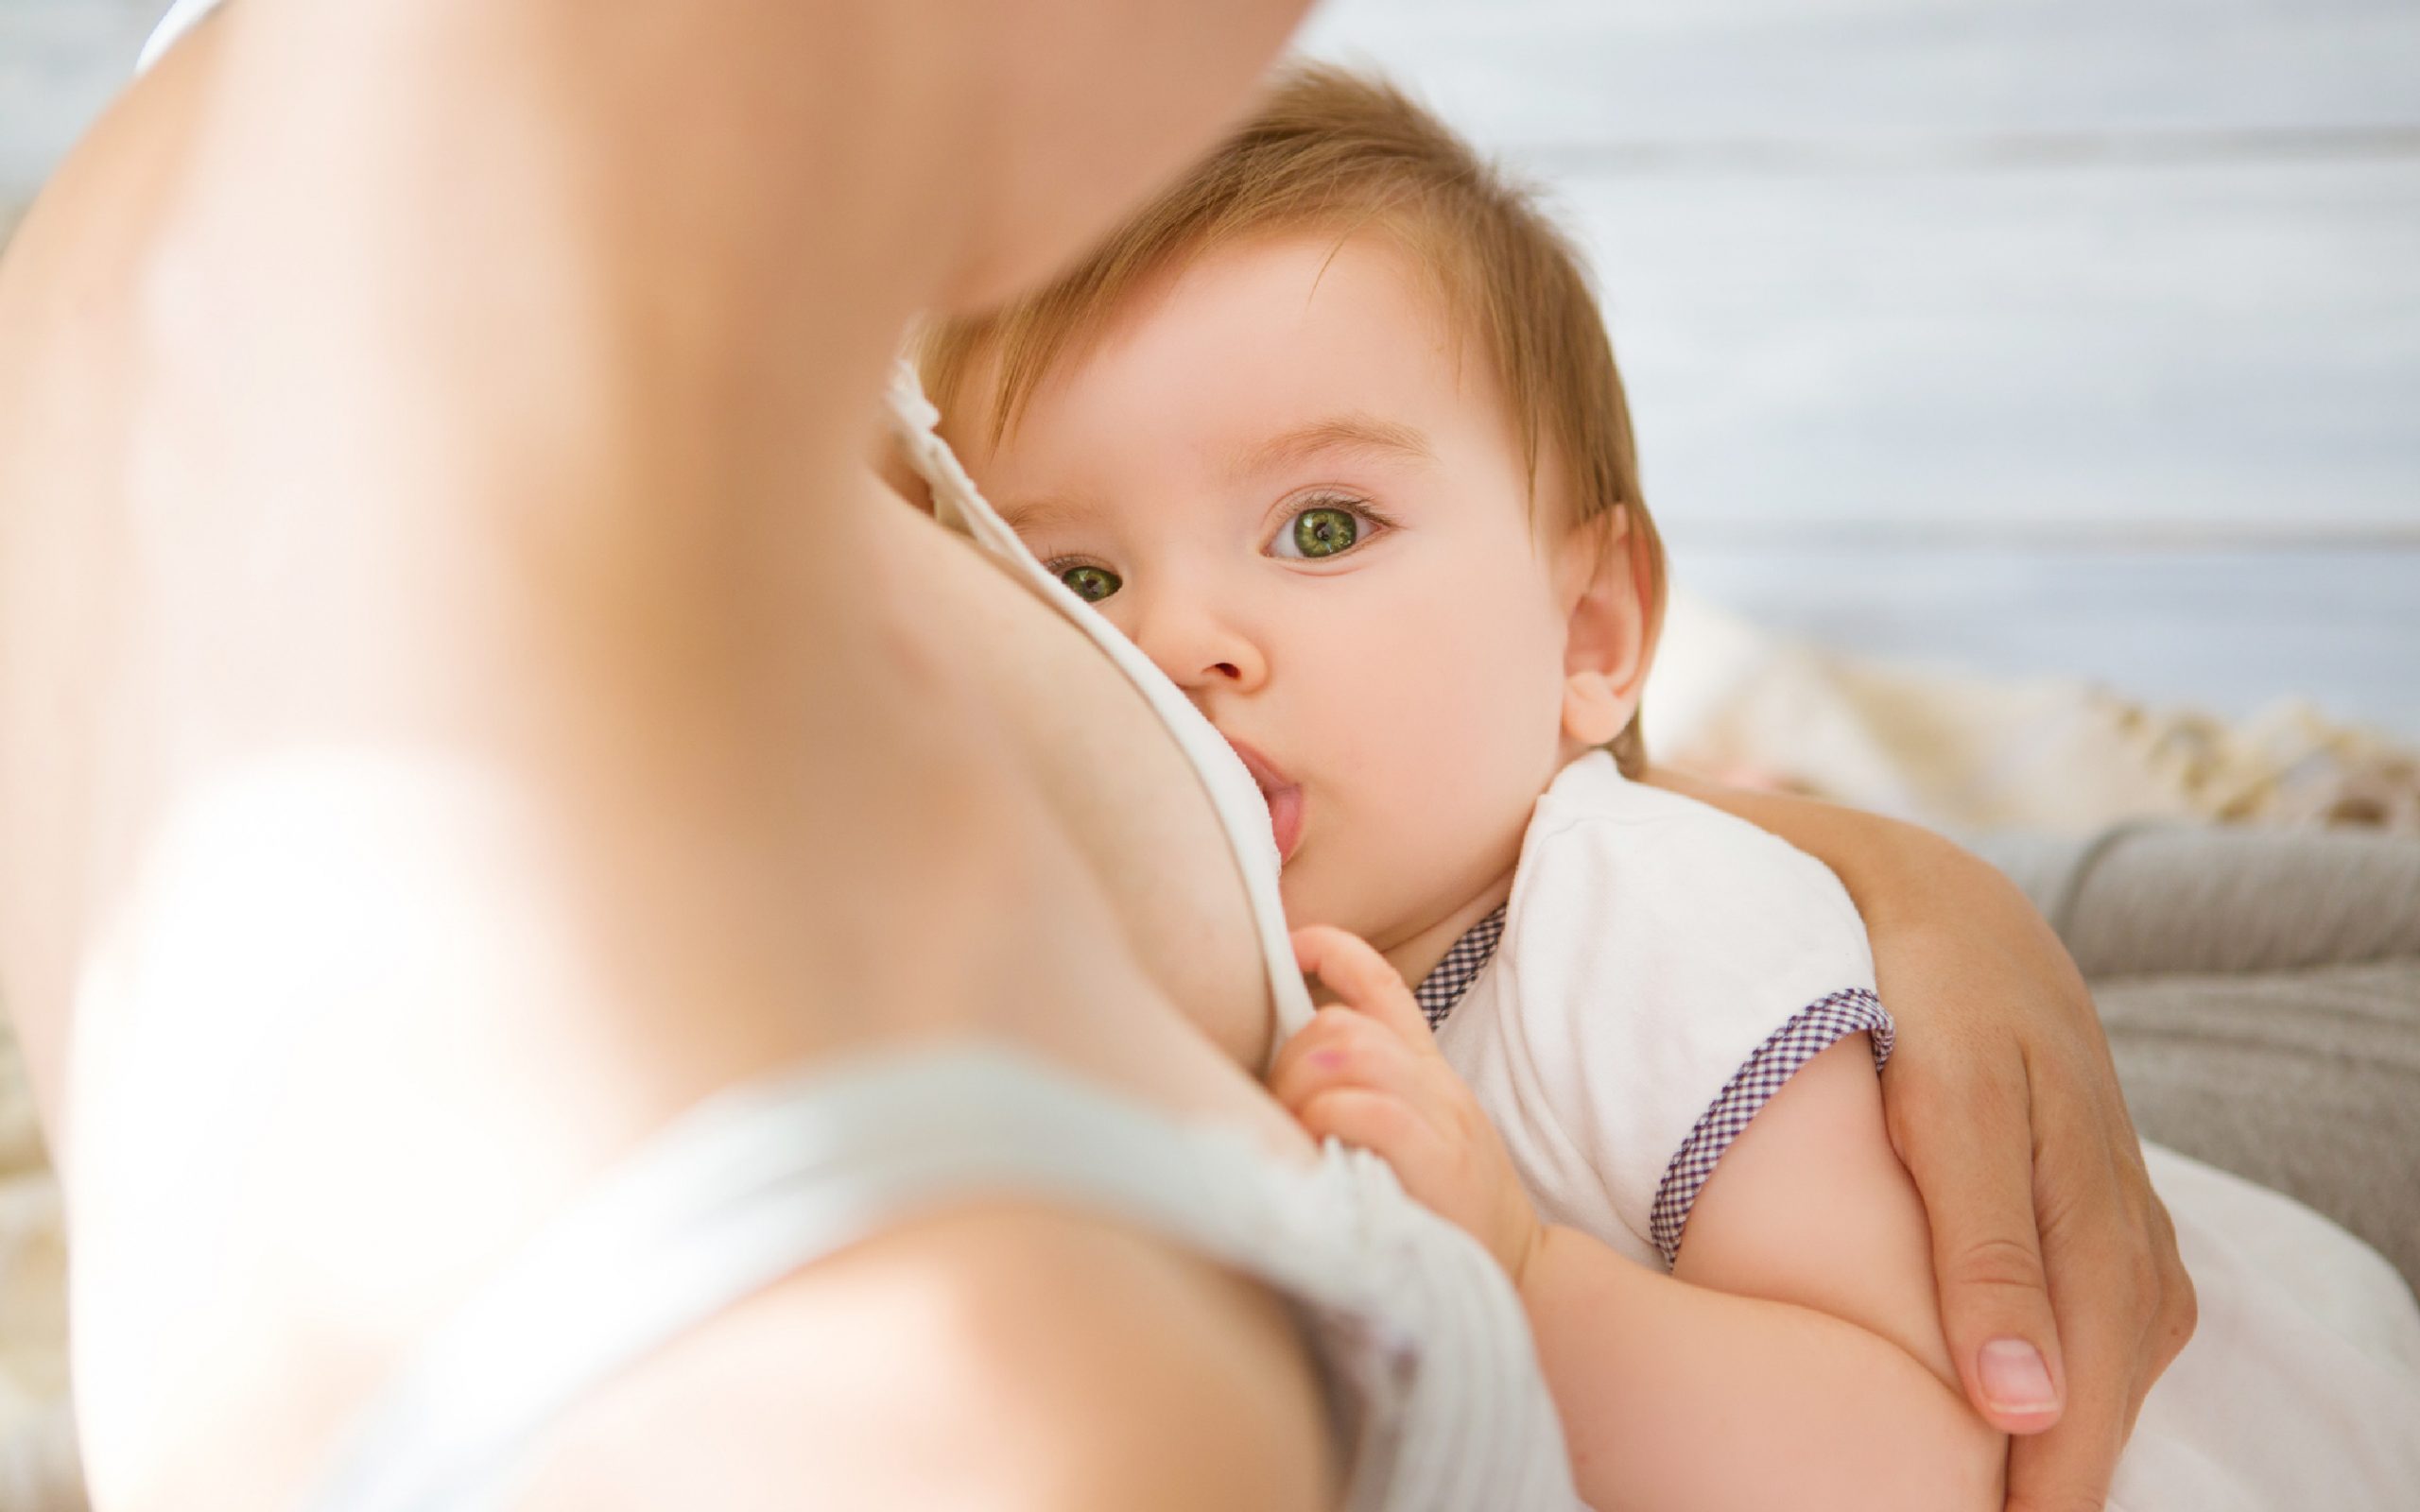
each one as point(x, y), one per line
point(1342, 1048)
point(1381, 1124)
point(1361, 979)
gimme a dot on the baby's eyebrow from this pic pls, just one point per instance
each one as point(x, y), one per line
point(1357, 431)
point(1039, 514)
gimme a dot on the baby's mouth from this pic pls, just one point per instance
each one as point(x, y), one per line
point(1284, 798)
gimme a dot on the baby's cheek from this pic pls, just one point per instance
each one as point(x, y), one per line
point(1439, 744)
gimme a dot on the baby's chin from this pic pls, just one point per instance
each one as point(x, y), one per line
point(1310, 900)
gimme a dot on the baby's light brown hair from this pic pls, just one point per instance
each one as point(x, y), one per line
point(1330, 151)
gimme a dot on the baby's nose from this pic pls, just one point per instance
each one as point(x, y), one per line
point(1200, 649)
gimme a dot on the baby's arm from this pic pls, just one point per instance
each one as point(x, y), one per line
point(1794, 1359)
point(1794, 1356)
point(2005, 1107)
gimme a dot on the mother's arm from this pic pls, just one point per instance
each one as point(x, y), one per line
point(2062, 1294)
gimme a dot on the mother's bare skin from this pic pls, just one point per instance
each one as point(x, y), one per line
point(464, 700)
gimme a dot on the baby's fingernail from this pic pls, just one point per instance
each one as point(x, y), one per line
point(2014, 1377)
point(1327, 1060)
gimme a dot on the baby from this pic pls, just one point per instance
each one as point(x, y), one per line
point(1333, 433)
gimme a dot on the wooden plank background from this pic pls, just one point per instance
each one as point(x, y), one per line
point(2031, 335)
point(2037, 335)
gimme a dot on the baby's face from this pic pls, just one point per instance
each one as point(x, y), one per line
point(1281, 477)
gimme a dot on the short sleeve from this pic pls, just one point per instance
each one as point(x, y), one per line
point(1806, 1034)
point(1664, 970)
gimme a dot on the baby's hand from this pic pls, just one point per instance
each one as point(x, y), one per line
point(1366, 1071)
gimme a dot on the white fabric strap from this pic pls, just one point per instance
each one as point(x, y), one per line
point(1243, 812)
point(183, 17)
point(737, 1193)
point(1444, 1407)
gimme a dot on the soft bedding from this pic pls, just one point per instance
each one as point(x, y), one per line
point(2261, 991)
point(1958, 751)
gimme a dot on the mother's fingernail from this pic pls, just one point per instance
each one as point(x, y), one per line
point(2014, 1377)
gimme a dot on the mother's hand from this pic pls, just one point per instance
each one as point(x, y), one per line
point(2062, 1295)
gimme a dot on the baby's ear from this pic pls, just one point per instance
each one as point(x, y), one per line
point(1604, 587)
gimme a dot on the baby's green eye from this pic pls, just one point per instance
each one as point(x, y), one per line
point(1323, 532)
point(1092, 584)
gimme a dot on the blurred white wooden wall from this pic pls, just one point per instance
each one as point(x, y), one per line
point(2076, 335)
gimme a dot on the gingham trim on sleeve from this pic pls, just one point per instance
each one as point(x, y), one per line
point(1811, 1031)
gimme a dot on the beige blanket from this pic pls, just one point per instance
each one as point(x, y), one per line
point(1959, 752)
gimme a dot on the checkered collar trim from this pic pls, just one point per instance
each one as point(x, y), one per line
point(1444, 987)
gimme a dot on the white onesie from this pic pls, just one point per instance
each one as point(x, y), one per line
point(1661, 972)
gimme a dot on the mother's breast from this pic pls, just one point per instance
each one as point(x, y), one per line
point(1111, 777)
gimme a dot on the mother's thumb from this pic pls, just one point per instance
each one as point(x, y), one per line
point(1996, 1314)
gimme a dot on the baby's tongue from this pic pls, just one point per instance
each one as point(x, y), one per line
point(1284, 820)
